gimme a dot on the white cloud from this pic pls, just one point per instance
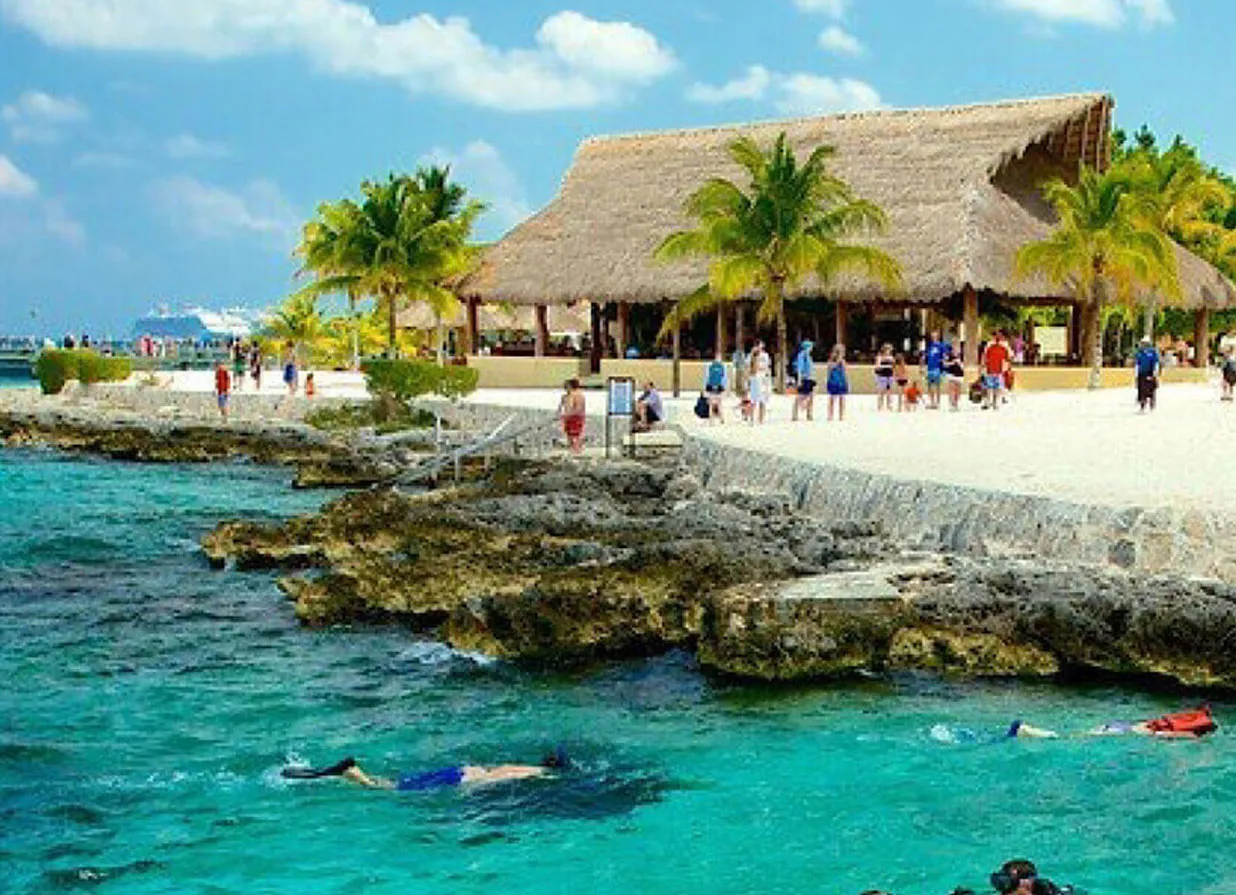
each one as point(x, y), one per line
point(38, 117)
point(215, 212)
point(805, 94)
point(186, 146)
point(753, 85)
point(481, 168)
point(574, 62)
point(14, 182)
point(62, 225)
point(834, 39)
point(112, 161)
point(792, 94)
point(832, 8)
point(1100, 13)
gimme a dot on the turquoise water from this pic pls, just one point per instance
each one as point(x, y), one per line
point(150, 702)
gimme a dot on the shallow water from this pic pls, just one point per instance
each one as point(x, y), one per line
point(152, 700)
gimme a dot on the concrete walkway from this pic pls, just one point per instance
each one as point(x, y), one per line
point(1088, 447)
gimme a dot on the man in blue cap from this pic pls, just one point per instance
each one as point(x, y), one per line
point(804, 371)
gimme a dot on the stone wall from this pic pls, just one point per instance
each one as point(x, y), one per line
point(965, 520)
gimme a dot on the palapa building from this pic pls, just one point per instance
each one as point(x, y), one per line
point(960, 187)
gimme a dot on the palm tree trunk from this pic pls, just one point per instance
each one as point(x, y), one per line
point(439, 339)
point(1094, 314)
point(1152, 308)
point(783, 355)
point(355, 330)
point(392, 330)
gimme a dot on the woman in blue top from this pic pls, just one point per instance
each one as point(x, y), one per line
point(838, 383)
point(804, 370)
point(716, 382)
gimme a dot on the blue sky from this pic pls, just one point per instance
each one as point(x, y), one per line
point(158, 151)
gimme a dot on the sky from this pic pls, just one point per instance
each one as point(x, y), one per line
point(158, 152)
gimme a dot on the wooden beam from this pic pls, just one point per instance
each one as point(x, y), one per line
point(740, 335)
point(472, 331)
point(840, 319)
point(970, 319)
point(596, 351)
point(542, 331)
point(677, 359)
point(624, 327)
point(1201, 338)
point(720, 352)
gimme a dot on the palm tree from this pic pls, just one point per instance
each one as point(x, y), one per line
point(297, 321)
point(791, 221)
point(1106, 238)
point(1181, 198)
point(403, 242)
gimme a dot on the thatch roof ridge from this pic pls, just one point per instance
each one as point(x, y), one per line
point(960, 185)
point(1081, 99)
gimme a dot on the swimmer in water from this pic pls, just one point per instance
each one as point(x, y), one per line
point(1189, 725)
point(455, 775)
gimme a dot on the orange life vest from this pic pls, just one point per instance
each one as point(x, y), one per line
point(1197, 722)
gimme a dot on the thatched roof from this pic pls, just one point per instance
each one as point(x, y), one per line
point(575, 318)
point(960, 186)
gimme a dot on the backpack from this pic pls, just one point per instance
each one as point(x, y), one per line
point(701, 407)
point(1197, 722)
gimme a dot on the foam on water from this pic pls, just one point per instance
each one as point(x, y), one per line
point(150, 703)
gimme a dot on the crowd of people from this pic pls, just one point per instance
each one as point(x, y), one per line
point(246, 358)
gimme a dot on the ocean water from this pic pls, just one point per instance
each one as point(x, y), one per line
point(150, 701)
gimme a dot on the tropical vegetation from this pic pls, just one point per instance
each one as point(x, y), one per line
point(54, 367)
point(404, 241)
point(790, 221)
point(1107, 244)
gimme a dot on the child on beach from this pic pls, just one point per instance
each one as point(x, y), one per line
point(311, 388)
point(838, 383)
point(255, 366)
point(573, 413)
point(912, 396)
point(290, 374)
point(955, 378)
point(1228, 371)
point(885, 364)
point(223, 388)
point(901, 378)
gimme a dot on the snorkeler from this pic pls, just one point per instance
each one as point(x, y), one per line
point(455, 775)
point(1021, 877)
point(1189, 725)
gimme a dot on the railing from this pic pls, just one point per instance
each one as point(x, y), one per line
point(505, 432)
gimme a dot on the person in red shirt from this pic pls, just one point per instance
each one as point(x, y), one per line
point(997, 362)
point(223, 388)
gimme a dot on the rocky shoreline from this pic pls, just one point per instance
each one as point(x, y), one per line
point(552, 563)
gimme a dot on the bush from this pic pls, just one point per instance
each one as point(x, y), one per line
point(385, 417)
point(56, 366)
point(405, 380)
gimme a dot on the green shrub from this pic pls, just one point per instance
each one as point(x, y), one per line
point(56, 366)
point(405, 380)
point(384, 416)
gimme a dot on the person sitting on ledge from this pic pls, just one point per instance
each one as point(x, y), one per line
point(649, 409)
point(440, 778)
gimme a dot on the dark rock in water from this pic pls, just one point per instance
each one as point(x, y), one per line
point(556, 563)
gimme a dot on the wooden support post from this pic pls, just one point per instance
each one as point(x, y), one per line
point(970, 319)
point(472, 329)
point(542, 331)
point(740, 336)
point(677, 359)
point(1201, 338)
point(839, 326)
point(597, 349)
point(1074, 334)
point(720, 352)
point(624, 328)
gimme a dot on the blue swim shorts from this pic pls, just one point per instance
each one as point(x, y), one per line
point(934, 377)
point(439, 779)
point(993, 381)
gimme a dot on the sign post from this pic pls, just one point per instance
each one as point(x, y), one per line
point(619, 402)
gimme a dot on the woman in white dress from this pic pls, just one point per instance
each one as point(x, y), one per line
point(759, 384)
